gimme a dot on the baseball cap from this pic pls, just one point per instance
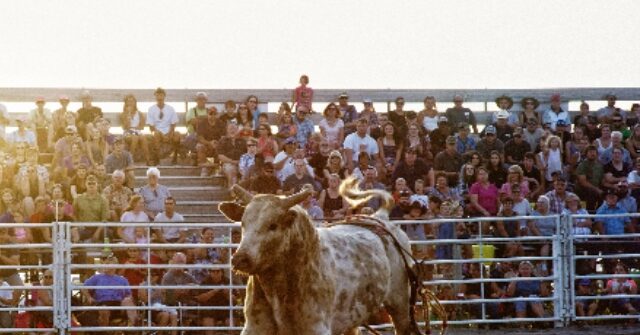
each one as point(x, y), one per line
point(585, 282)
point(490, 129)
point(343, 95)
point(503, 115)
point(451, 140)
point(40, 99)
point(290, 140)
point(442, 119)
point(561, 123)
point(367, 101)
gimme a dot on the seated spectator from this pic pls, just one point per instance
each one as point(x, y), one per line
point(543, 226)
point(504, 130)
point(580, 226)
point(369, 113)
point(402, 206)
point(332, 127)
point(549, 159)
point(230, 148)
point(77, 185)
point(590, 175)
point(121, 159)
point(474, 291)
point(133, 213)
point(286, 164)
point(467, 177)
point(333, 205)
point(162, 120)
point(335, 165)
point(428, 117)
point(400, 185)
point(266, 182)
point(497, 169)
point(245, 120)
point(208, 132)
point(464, 143)
point(412, 168)
point(616, 170)
point(10, 257)
point(370, 182)
point(57, 197)
point(616, 142)
point(96, 147)
point(75, 160)
point(319, 160)
point(170, 234)
point(633, 180)
point(612, 225)
point(309, 204)
point(287, 128)
point(515, 148)
point(558, 195)
point(528, 289)
point(44, 298)
point(484, 194)
point(58, 119)
point(23, 134)
point(622, 286)
point(91, 207)
point(178, 276)
point(267, 145)
point(218, 297)
point(421, 143)
point(362, 167)
point(304, 126)
point(415, 231)
point(448, 162)
point(31, 181)
point(109, 296)
point(438, 137)
point(633, 142)
point(489, 143)
point(133, 123)
point(389, 150)
point(294, 182)
point(153, 193)
point(515, 176)
point(625, 200)
point(442, 190)
point(532, 133)
point(117, 195)
point(575, 150)
point(358, 142)
point(420, 193)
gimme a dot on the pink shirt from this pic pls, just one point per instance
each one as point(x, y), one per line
point(524, 189)
point(487, 196)
point(304, 96)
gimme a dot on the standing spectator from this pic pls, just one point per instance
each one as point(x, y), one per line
point(613, 225)
point(505, 103)
point(358, 142)
point(604, 114)
point(246, 163)
point(509, 229)
point(559, 196)
point(543, 227)
point(121, 159)
point(412, 168)
point(304, 126)
point(196, 113)
point(489, 143)
point(332, 127)
point(390, 150)
point(449, 162)
point(529, 106)
point(303, 95)
point(515, 148)
point(397, 115)
point(41, 120)
point(154, 194)
point(458, 114)
point(117, 195)
point(58, 119)
point(172, 234)
point(348, 112)
point(133, 123)
point(555, 113)
point(208, 132)
point(428, 117)
point(87, 113)
point(590, 175)
point(91, 206)
point(23, 134)
point(252, 105)
point(229, 150)
point(464, 143)
point(162, 120)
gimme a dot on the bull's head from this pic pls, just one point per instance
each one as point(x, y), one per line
point(266, 227)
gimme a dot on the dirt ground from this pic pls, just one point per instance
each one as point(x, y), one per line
point(589, 330)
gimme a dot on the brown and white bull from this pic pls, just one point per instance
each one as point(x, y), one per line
point(316, 281)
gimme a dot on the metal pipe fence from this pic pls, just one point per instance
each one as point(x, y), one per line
point(470, 297)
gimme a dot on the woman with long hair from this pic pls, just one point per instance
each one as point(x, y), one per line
point(497, 169)
point(389, 150)
point(266, 144)
point(332, 127)
point(529, 106)
point(335, 165)
point(286, 127)
point(633, 142)
point(428, 117)
point(420, 143)
point(549, 159)
point(96, 147)
point(332, 203)
point(133, 213)
point(252, 106)
point(484, 194)
point(515, 176)
point(133, 122)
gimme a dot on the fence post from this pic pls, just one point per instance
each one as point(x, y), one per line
point(567, 270)
point(59, 244)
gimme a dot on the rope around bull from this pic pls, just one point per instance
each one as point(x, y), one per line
point(429, 299)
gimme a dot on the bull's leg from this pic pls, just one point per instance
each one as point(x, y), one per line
point(397, 303)
point(354, 331)
point(257, 312)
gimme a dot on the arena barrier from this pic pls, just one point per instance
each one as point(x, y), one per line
point(440, 274)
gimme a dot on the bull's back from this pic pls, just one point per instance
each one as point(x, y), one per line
point(360, 271)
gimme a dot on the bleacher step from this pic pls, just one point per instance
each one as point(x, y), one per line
point(171, 181)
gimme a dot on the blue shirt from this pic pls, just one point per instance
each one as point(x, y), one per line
point(109, 294)
point(463, 146)
point(305, 129)
point(613, 226)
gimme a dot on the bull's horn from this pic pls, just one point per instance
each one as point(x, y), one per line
point(294, 199)
point(242, 194)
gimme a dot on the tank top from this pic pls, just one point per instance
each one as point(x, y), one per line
point(331, 204)
point(389, 152)
point(526, 118)
point(135, 120)
point(601, 149)
point(430, 123)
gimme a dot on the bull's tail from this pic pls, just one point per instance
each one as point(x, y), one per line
point(350, 191)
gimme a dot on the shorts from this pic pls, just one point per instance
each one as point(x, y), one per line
point(521, 306)
point(230, 168)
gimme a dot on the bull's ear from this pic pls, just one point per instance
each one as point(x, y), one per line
point(231, 210)
point(289, 218)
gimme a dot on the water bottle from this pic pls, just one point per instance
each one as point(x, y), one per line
point(106, 250)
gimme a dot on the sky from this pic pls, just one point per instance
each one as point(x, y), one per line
point(339, 44)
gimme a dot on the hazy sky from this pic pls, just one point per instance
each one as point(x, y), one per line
point(339, 44)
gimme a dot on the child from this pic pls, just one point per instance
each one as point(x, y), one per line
point(303, 95)
point(420, 193)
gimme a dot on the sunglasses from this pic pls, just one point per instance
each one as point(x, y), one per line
point(48, 277)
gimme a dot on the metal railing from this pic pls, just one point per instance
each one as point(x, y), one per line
point(559, 305)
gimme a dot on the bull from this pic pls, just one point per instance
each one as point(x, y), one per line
point(305, 280)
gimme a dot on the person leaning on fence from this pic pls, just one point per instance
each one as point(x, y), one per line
point(109, 296)
point(528, 289)
point(613, 225)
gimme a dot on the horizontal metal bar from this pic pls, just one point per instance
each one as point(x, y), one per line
point(487, 260)
point(152, 308)
point(487, 280)
point(155, 224)
point(152, 245)
point(161, 287)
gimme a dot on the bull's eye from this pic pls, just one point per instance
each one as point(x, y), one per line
point(273, 226)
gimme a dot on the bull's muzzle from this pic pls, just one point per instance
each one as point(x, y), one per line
point(241, 262)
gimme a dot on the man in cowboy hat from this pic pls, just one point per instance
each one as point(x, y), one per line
point(605, 113)
point(555, 113)
point(458, 114)
point(504, 103)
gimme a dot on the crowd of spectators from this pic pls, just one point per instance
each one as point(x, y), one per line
point(436, 164)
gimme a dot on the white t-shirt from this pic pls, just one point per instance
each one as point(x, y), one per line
point(169, 117)
point(354, 142)
point(130, 216)
point(16, 137)
point(288, 168)
point(430, 123)
point(331, 133)
point(170, 232)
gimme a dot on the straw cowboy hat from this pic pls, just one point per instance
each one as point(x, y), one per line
point(504, 97)
point(525, 100)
